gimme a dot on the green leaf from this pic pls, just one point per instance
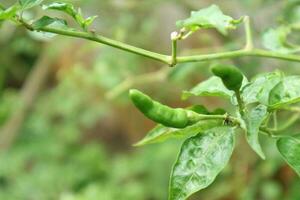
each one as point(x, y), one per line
point(10, 12)
point(286, 92)
point(70, 10)
point(161, 133)
point(276, 40)
point(289, 148)
point(211, 17)
point(211, 87)
point(27, 4)
point(64, 7)
point(200, 160)
point(48, 21)
point(258, 89)
point(253, 121)
point(88, 21)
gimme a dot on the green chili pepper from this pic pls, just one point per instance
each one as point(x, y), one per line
point(171, 117)
point(230, 75)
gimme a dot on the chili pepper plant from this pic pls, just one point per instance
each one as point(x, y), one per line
point(208, 137)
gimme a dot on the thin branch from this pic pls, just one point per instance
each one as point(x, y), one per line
point(248, 32)
point(174, 39)
point(238, 53)
point(165, 58)
point(275, 120)
point(294, 109)
point(240, 102)
point(159, 75)
point(289, 122)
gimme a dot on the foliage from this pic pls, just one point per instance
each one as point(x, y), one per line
point(208, 137)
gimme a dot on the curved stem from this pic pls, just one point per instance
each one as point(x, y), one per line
point(290, 122)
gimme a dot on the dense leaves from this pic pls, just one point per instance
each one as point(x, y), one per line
point(289, 147)
point(200, 160)
point(211, 17)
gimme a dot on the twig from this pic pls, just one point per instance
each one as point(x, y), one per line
point(248, 32)
point(159, 75)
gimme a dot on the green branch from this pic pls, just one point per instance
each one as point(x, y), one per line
point(248, 32)
point(238, 53)
point(165, 58)
point(151, 77)
point(100, 39)
point(174, 39)
point(240, 102)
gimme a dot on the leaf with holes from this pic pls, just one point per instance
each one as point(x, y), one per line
point(200, 160)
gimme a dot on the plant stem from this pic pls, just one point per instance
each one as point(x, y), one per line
point(110, 42)
point(240, 102)
point(195, 117)
point(174, 53)
point(288, 123)
point(161, 57)
point(248, 32)
point(294, 109)
point(151, 77)
point(275, 120)
point(238, 53)
point(269, 133)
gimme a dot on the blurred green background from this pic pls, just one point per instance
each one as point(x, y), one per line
point(66, 123)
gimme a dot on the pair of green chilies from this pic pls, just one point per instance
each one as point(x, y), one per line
point(178, 117)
